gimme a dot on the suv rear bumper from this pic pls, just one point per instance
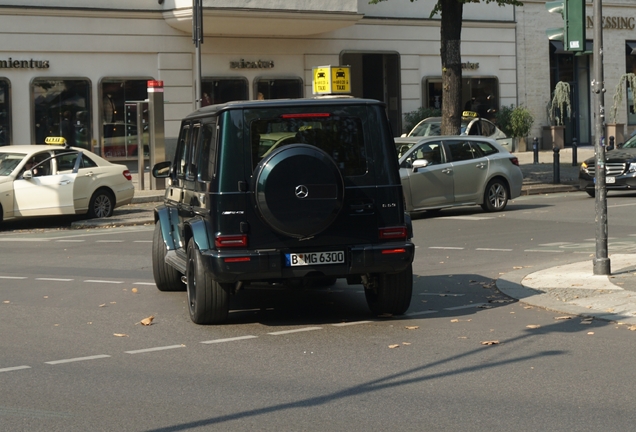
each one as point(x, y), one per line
point(242, 265)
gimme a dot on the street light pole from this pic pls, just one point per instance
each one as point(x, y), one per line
point(197, 38)
point(601, 260)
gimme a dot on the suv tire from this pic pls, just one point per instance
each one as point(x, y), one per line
point(299, 190)
point(390, 293)
point(208, 300)
point(167, 278)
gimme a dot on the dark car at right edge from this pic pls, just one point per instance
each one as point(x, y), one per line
point(620, 169)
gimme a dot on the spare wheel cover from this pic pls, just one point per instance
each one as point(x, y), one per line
point(299, 190)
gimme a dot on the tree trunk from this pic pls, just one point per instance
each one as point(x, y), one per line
point(451, 30)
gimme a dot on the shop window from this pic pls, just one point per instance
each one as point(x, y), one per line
point(278, 88)
point(5, 113)
point(479, 94)
point(221, 90)
point(119, 116)
point(630, 61)
point(62, 108)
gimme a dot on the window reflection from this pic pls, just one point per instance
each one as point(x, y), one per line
point(119, 116)
point(278, 88)
point(62, 108)
point(5, 118)
point(221, 90)
point(479, 94)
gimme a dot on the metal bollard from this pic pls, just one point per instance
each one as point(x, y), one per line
point(556, 167)
point(574, 155)
point(535, 150)
point(611, 144)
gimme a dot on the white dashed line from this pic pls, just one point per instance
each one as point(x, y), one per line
point(15, 368)
point(549, 251)
point(464, 306)
point(351, 323)
point(142, 241)
point(103, 281)
point(23, 240)
point(77, 359)
point(304, 329)
point(471, 218)
point(109, 241)
point(443, 294)
point(144, 283)
point(421, 313)
point(13, 277)
point(446, 247)
point(154, 349)
point(54, 279)
point(70, 241)
point(232, 339)
point(494, 249)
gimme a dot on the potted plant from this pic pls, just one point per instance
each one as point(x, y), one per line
point(559, 109)
point(617, 129)
point(516, 123)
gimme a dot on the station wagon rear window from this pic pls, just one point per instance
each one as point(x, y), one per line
point(341, 137)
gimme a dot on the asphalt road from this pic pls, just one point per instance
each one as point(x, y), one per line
point(74, 355)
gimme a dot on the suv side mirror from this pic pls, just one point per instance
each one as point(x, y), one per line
point(161, 169)
point(420, 163)
point(27, 175)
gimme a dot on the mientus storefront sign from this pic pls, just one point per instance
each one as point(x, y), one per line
point(614, 23)
point(24, 64)
point(257, 64)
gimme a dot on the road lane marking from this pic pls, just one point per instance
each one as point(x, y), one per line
point(109, 241)
point(304, 329)
point(443, 294)
point(142, 241)
point(351, 323)
point(494, 249)
point(539, 250)
point(232, 339)
point(15, 368)
point(144, 283)
point(155, 349)
point(13, 277)
point(470, 218)
point(24, 239)
point(103, 281)
point(54, 279)
point(446, 247)
point(70, 241)
point(464, 306)
point(421, 313)
point(77, 359)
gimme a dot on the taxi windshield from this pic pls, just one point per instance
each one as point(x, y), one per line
point(9, 162)
point(433, 127)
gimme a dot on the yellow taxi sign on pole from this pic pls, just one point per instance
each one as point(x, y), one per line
point(332, 80)
point(55, 140)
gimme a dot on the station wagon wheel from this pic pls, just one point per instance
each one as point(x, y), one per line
point(495, 196)
point(390, 293)
point(167, 278)
point(102, 204)
point(208, 300)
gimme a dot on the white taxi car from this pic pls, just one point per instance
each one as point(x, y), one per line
point(56, 179)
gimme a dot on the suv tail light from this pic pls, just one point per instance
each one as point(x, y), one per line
point(228, 241)
point(393, 233)
point(126, 174)
point(514, 161)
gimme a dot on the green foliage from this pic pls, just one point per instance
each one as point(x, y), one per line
point(515, 122)
point(630, 79)
point(560, 107)
point(414, 117)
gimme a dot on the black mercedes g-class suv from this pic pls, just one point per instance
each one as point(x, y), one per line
point(283, 192)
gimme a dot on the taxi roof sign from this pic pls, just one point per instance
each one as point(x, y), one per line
point(329, 80)
point(55, 140)
point(469, 114)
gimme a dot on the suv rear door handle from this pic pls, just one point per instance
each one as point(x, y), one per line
point(481, 165)
point(447, 170)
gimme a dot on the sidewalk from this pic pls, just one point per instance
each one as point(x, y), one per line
point(567, 289)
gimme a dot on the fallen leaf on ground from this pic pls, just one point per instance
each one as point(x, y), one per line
point(147, 321)
point(609, 310)
point(120, 335)
point(517, 267)
point(500, 301)
point(586, 321)
point(493, 342)
point(527, 307)
point(455, 320)
point(102, 305)
point(394, 346)
point(484, 307)
point(412, 327)
point(590, 333)
point(134, 290)
point(406, 343)
point(6, 302)
point(632, 328)
point(565, 317)
point(533, 326)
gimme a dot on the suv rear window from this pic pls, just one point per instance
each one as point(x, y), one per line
point(341, 137)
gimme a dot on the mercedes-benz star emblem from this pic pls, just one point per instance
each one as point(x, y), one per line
point(302, 191)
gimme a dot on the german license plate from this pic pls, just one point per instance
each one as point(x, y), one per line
point(610, 179)
point(314, 258)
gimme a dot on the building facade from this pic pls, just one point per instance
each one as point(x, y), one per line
point(75, 68)
point(541, 64)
